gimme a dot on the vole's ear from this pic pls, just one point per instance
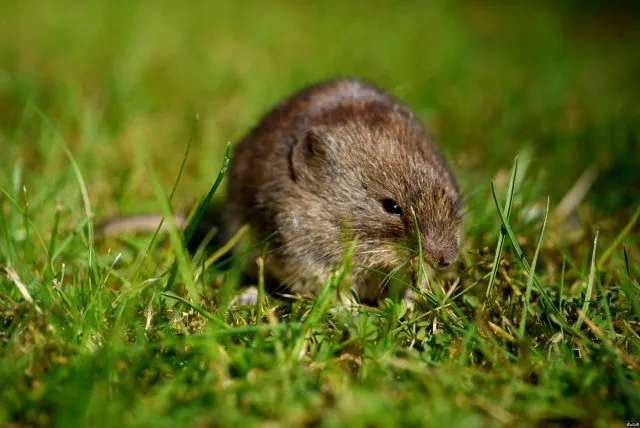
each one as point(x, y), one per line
point(309, 154)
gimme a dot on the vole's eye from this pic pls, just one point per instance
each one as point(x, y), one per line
point(391, 207)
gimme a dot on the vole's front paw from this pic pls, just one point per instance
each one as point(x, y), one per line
point(248, 297)
point(410, 298)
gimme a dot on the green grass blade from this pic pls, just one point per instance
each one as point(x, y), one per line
point(546, 300)
point(183, 163)
point(16, 206)
point(192, 223)
point(181, 262)
point(625, 231)
point(196, 216)
point(420, 273)
point(52, 240)
point(501, 237)
point(85, 201)
point(525, 310)
point(590, 283)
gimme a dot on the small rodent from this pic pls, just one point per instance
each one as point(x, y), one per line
point(340, 160)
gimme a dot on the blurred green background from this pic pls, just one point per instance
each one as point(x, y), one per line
point(122, 82)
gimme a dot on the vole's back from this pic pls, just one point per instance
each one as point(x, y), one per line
point(263, 156)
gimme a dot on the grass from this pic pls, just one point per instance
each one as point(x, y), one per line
point(114, 106)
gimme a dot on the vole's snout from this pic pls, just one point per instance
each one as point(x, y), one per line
point(443, 263)
point(439, 255)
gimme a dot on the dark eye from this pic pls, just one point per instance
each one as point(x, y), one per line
point(391, 207)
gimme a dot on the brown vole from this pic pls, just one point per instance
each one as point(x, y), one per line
point(342, 159)
point(337, 161)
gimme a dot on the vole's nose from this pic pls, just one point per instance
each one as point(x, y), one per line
point(442, 259)
point(443, 262)
point(440, 256)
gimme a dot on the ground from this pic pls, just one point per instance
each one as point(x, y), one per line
point(101, 103)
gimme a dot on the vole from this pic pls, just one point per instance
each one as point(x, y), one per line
point(342, 161)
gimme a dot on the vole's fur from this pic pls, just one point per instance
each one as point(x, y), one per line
point(320, 169)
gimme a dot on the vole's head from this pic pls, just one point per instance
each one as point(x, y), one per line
point(373, 169)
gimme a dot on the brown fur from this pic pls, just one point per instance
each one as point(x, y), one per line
point(318, 166)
